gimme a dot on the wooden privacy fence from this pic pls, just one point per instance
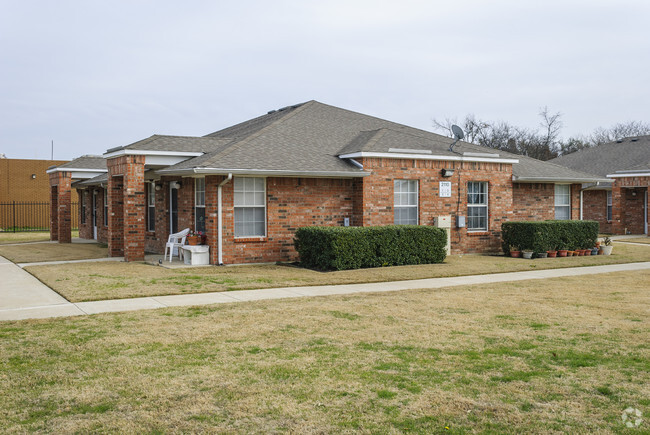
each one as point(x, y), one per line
point(19, 216)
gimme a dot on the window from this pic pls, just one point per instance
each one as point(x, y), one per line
point(199, 204)
point(83, 206)
point(562, 201)
point(477, 206)
point(406, 202)
point(250, 207)
point(609, 205)
point(105, 207)
point(151, 207)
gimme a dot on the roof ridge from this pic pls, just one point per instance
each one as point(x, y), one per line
point(248, 138)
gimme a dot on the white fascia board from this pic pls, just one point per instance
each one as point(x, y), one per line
point(263, 172)
point(364, 154)
point(84, 175)
point(633, 174)
point(130, 152)
point(77, 170)
point(558, 180)
point(158, 160)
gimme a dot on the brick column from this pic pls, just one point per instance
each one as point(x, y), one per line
point(54, 206)
point(60, 205)
point(126, 207)
point(134, 207)
point(618, 201)
point(211, 218)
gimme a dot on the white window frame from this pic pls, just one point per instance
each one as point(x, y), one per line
point(151, 206)
point(561, 194)
point(199, 202)
point(479, 205)
point(397, 203)
point(242, 189)
point(609, 205)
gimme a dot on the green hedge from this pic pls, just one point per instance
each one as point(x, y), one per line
point(549, 235)
point(341, 248)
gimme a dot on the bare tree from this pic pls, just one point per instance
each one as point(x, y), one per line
point(619, 131)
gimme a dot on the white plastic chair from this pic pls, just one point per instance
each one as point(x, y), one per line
point(176, 240)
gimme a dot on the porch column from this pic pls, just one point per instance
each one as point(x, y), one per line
point(211, 218)
point(126, 207)
point(60, 205)
point(617, 207)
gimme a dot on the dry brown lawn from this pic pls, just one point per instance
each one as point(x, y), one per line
point(556, 356)
point(37, 252)
point(32, 236)
point(98, 281)
point(637, 240)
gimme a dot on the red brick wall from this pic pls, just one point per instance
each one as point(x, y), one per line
point(291, 203)
point(536, 201)
point(378, 196)
point(594, 208)
point(60, 207)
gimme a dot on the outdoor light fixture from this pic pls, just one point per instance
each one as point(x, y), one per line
point(158, 187)
point(33, 176)
point(447, 172)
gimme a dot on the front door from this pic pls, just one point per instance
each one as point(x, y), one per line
point(94, 214)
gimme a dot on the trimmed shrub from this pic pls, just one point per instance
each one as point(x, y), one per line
point(548, 235)
point(341, 248)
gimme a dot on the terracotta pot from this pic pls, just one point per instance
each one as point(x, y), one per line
point(515, 254)
point(193, 240)
point(587, 251)
point(569, 253)
point(563, 253)
point(581, 252)
point(552, 254)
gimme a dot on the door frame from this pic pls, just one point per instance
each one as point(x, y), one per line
point(94, 214)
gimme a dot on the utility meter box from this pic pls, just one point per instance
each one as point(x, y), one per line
point(460, 221)
point(444, 222)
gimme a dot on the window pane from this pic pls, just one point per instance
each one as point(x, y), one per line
point(562, 213)
point(239, 184)
point(239, 198)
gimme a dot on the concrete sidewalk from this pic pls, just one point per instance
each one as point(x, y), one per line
point(57, 306)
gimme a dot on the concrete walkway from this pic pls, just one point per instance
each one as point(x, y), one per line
point(24, 297)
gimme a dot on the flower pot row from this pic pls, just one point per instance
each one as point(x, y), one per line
point(602, 250)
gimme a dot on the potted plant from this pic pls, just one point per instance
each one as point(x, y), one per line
point(607, 248)
point(542, 254)
point(527, 254)
point(515, 252)
point(594, 250)
point(563, 252)
point(193, 238)
point(552, 253)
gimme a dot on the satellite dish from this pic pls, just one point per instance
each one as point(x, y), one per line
point(458, 132)
point(458, 135)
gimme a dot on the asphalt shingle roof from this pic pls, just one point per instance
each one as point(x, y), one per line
point(310, 137)
point(176, 143)
point(628, 154)
point(85, 162)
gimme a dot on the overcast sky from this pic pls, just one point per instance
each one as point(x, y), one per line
point(93, 75)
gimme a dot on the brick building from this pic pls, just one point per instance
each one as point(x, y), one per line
point(25, 182)
point(620, 205)
point(251, 185)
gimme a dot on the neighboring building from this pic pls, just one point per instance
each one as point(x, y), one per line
point(250, 186)
point(24, 188)
point(620, 205)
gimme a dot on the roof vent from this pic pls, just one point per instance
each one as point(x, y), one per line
point(619, 140)
point(271, 111)
point(634, 139)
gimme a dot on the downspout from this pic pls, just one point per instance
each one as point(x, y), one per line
point(581, 190)
point(220, 219)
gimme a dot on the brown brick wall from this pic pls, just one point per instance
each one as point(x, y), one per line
point(17, 184)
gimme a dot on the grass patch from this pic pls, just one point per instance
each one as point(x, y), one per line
point(28, 236)
point(38, 252)
point(372, 363)
point(116, 280)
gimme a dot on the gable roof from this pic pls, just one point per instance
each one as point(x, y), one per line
point(83, 163)
point(631, 153)
point(179, 144)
